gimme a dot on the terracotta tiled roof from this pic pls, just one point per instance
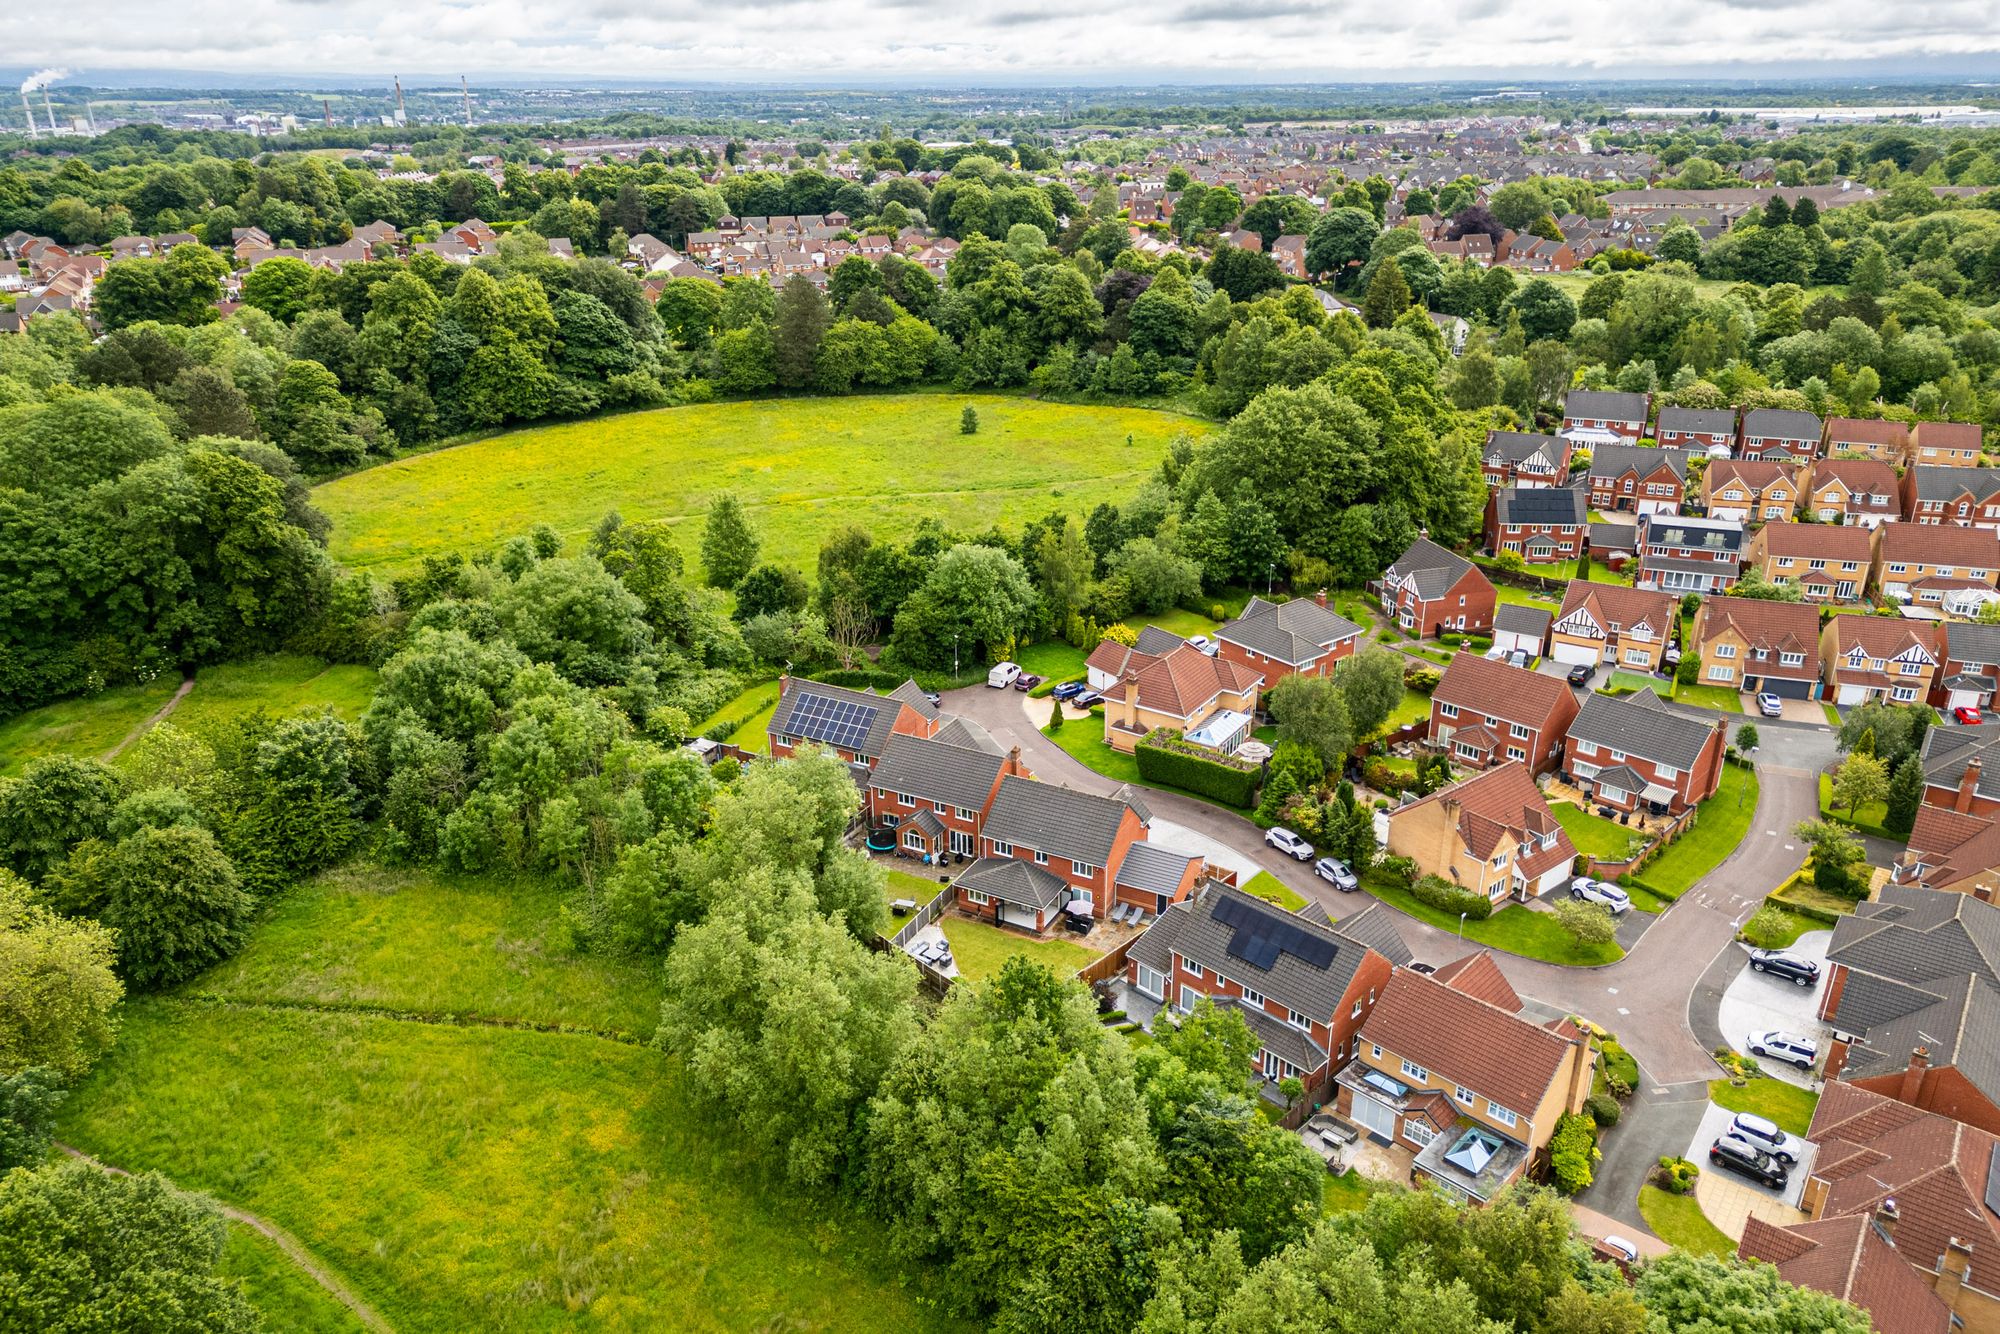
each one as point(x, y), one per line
point(1941, 544)
point(1495, 689)
point(1953, 846)
point(1862, 431)
point(1626, 606)
point(1869, 475)
point(1763, 624)
point(1498, 802)
point(1477, 975)
point(1946, 435)
point(1850, 1259)
point(1185, 679)
point(1885, 637)
point(1756, 474)
point(1460, 1037)
point(1818, 541)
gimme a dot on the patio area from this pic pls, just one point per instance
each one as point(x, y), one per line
point(1641, 821)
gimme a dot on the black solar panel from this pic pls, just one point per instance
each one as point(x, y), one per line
point(1260, 936)
point(834, 722)
point(1993, 1182)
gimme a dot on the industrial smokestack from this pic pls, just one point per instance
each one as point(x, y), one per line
point(400, 118)
point(29, 108)
point(49, 107)
point(326, 111)
point(466, 89)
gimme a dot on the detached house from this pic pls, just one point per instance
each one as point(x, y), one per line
point(1955, 852)
point(1925, 565)
point(1779, 433)
point(1110, 662)
point(1967, 497)
point(1877, 657)
point(1750, 490)
point(1596, 417)
point(1854, 1260)
point(1896, 967)
point(1304, 986)
point(1485, 713)
point(1512, 458)
point(1867, 438)
point(1971, 666)
point(1682, 555)
point(1632, 751)
point(1613, 626)
point(1829, 564)
point(1698, 430)
point(1543, 526)
point(1863, 492)
point(1279, 639)
point(936, 795)
point(1491, 833)
point(1945, 444)
point(1210, 701)
point(1956, 763)
point(1430, 589)
point(1042, 846)
point(1638, 479)
point(1450, 1066)
point(1754, 645)
point(855, 724)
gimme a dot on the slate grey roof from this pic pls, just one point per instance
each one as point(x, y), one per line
point(1157, 643)
point(1514, 618)
point(1558, 505)
point(1698, 421)
point(1934, 483)
point(1616, 460)
point(1375, 927)
point(1277, 1036)
point(927, 822)
point(1058, 820)
point(959, 731)
point(913, 695)
point(1433, 568)
point(1614, 537)
point(1605, 405)
point(882, 711)
point(1622, 777)
point(1947, 750)
point(1970, 641)
point(1782, 424)
point(1641, 724)
point(1290, 980)
point(1154, 869)
point(1904, 950)
point(1156, 944)
point(1291, 632)
point(1012, 880)
point(1135, 798)
point(1516, 446)
point(937, 771)
point(1961, 1028)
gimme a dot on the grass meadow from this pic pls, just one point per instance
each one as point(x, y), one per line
point(290, 1301)
point(802, 467)
point(467, 1175)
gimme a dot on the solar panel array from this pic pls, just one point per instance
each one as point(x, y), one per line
point(833, 722)
point(1259, 936)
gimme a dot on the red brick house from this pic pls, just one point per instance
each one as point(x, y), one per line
point(1854, 1260)
point(1638, 479)
point(1868, 438)
point(1304, 985)
point(1633, 752)
point(1543, 525)
point(855, 724)
point(935, 795)
point(1518, 459)
point(1042, 846)
point(1956, 761)
point(1430, 589)
point(1485, 713)
point(1701, 430)
point(1592, 412)
point(1971, 667)
point(1946, 444)
point(1280, 639)
point(1684, 555)
point(1779, 433)
point(1966, 497)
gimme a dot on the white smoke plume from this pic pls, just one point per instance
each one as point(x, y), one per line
point(42, 76)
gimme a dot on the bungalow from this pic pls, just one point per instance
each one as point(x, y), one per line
point(856, 724)
point(936, 794)
point(1542, 525)
point(1111, 661)
point(1689, 555)
point(1043, 846)
point(1750, 490)
point(1945, 444)
point(1593, 417)
point(1830, 564)
point(1513, 457)
point(1923, 564)
point(1971, 664)
point(1866, 492)
point(1633, 750)
point(1779, 433)
point(1304, 985)
point(1279, 639)
point(1867, 438)
point(1452, 1067)
point(1430, 589)
point(1877, 657)
point(1613, 626)
point(1755, 645)
point(1491, 833)
point(1966, 497)
point(1698, 430)
point(1636, 478)
point(1211, 701)
point(1485, 713)
point(1518, 628)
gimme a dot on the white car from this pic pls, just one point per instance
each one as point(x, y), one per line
point(1586, 890)
point(1622, 1248)
point(1782, 1046)
point(1766, 1135)
point(1203, 644)
point(1002, 675)
point(1285, 841)
point(1770, 705)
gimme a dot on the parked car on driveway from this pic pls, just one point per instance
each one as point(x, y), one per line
point(1519, 657)
point(1002, 675)
point(1027, 681)
point(1770, 706)
point(1967, 714)
point(1085, 700)
point(1069, 690)
point(1285, 841)
point(1766, 1135)
point(1735, 1154)
point(1779, 1045)
point(1203, 644)
point(1783, 963)
point(1621, 1247)
point(1337, 873)
point(1586, 890)
point(1580, 674)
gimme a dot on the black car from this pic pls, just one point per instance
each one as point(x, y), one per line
point(1580, 674)
point(1778, 963)
point(1736, 1154)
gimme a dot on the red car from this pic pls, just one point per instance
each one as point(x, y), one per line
point(1026, 682)
point(1966, 714)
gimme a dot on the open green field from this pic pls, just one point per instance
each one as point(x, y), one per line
point(470, 1175)
point(802, 467)
point(87, 726)
point(287, 1296)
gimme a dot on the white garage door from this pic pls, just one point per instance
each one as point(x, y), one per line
point(1572, 654)
point(1014, 916)
point(1374, 1116)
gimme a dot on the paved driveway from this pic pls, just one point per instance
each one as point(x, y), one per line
point(1755, 1001)
point(1714, 1121)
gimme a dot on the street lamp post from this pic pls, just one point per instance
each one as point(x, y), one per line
point(1461, 928)
point(954, 659)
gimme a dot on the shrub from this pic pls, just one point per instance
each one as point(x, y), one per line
point(1423, 680)
point(1399, 871)
point(1378, 775)
point(1573, 1152)
point(1603, 1109)
point(1437, 892)
point(968, 421)
point(1165, 757)
point(1676, 1176)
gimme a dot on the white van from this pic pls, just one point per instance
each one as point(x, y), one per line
point(1002, 675)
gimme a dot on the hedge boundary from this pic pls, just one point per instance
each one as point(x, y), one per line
point(1169, 760)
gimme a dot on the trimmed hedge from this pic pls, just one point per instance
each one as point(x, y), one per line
point(1435, 891)
point(1166, 759)
point(861, 679)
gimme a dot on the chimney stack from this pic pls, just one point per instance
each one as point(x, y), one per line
point(49, 107)
point(29, 108)
point(1954, 1271)
point(1913, 1076)
point(1968, 787)
point(1320, 597)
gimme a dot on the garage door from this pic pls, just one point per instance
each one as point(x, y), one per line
point(1572, 654)
point(1377, 1118)
point(1014, 916)
point(1788, 689)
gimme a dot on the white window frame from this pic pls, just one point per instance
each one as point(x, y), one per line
point(1415, 1071)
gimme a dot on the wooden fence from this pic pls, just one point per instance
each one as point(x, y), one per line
point(1109, 965)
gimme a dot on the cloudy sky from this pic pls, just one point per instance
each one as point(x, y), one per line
point(1004, 40)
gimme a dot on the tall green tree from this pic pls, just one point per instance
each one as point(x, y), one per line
point(1388, 295)
point(801, 321)
point(728, 545)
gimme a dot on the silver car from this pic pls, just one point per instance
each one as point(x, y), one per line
point(1766, 1135)
point(1782, 1046)
point(1586, 890)
point(1337, 873)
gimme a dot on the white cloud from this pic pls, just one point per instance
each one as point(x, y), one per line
point(1121, 40)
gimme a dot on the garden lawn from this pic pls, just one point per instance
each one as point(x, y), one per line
point(1773, 1099)
point(1634, 682)
point(1721, 698)
point(1351, 1191)
point(1413, 707)
point(979, 948)
point(1505, 593)
point(759, 700)
point(903, 885)
point(1082, 739)
point(1832, 715)
point(1594, 836)
point(88, 726)
point(1724, 820)
point(279, 684)
point(1679, 1221)
point(1515, 929)
point(1273, 890)
point(1789, 926)
point(288, 1297)
point(1866, 820)
point(803, 467)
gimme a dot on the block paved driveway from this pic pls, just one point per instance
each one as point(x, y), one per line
point(1758, 1001)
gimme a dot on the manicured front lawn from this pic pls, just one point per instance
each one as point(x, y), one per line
point(1593, 835)
point(1515, 929)
point(1635, 682)
point(1832, 715)
point(1273, 890)
point(1773, 1099)
point(1082, 739)
point(1785, 927)
point(1679, 1221)
point(1721, 698)
point(979, 948)
point(1867, 819)
point(1723, 821)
